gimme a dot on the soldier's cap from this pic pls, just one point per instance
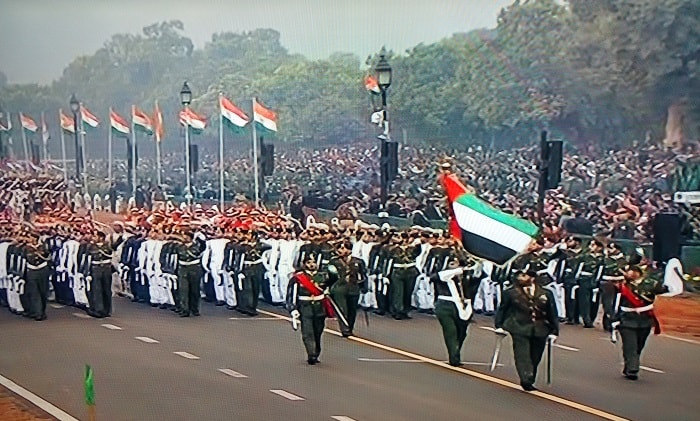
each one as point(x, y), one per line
point(574, 238)
point(311, 257)
point(531, 273)
point(635, 268)
point(615, 246)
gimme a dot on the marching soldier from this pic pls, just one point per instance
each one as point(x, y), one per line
point(253, 271)
point(37, 272)
point(348, 277)
point(568, 269)
point(402, 274)
point(588, 274)
point(308, 305)
point(100, 279)
point(615, 263)
point(453, 306)
point(378, 261)
point(189, 272)
point(635, 316)
point(529, 314)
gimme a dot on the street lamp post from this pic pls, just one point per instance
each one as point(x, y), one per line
point(75, 107)
point(383, 74)
point(186, 100)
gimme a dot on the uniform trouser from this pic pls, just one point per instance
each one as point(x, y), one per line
point(347, 298)
point(571, 303)
point(633, 340)
point(30, 289)
point(219, 285)
point(265, 288)
point(313, 321)
point(38, 280)
point(251, 288)
point(209, 291)
point(485, 293)
point(454, 329)
point(402, 284)
point(189, 278)
point(607, 293)
point(585, 295)
point(3, 297)
point(382, 294)
point(528, 351)
point(100, 295)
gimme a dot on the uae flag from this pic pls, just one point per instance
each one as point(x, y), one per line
point(158, 123)
point(66, 122)
point(88, 118)
point(371, 85)
point(118, 123)
point(141, 120)
point(266, 118)
point(233, 116)
point(485, 231)
point(27, 123)
point(191, 119)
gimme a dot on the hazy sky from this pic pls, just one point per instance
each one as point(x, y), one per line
point(38, 38)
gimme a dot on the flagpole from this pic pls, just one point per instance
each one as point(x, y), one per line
point(84, 152)
point(134, 160)
point(221, 156)
point(156, 136)
point(188, 195)
point(24, 139)
point(109, 149)
point(158, 175)
point(255, 161)
point(44, 140)
point(63, 146)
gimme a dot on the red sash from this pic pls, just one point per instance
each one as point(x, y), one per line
point(306, 281)
point(637, 301)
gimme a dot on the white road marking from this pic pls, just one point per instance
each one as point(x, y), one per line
point(82, 316)
point(186, 355)
point(388, 360)
point(482, 376)
point(146, 339)
point(111, 327)
point(568, 348)
point(285, 394)
point(342, 418)
point(652, 370)
point(232, 373)
point(253, 318)
point(56, 306)
point(677, 338)
point(46, 406)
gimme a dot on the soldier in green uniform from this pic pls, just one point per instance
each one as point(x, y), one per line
point(453, 307)
point(348, 276)
point(402, 274)
point(567, 273)
point(635, 316)
point(588, 273)
point(305, 302)
point(253, 271)
point(613, 273)
point(100, 279)
point(189, 273)
point(528, 312)
point(38, 259)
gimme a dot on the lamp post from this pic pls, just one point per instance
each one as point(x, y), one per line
point(2, 146)
point(383, 74)
point(75, 107)
point(186, 100)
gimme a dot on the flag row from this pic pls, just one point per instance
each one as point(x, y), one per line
point(152, 124)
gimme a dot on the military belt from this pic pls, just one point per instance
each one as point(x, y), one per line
point(637, 309)
point(451, 298)
point(39, 266)
point(252, 262)
point(586, 273)
point(542, 272)
point(311, 297)
point(613, 278)
point(190, 263)
point(101, 262)
point(404, 265)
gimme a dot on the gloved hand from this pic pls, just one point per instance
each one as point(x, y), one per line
point(552, 338)
point(241, 276)
point(295, 314)
point(500, 331)
point(332, 269)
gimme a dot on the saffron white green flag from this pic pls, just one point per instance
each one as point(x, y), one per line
point(264, 117)
point(27, 123)
point(118, 123)
point(233, 116)
point(89, 119)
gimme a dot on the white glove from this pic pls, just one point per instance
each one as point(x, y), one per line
point(552, 338)
point(241, 276)
point(199, 236)
point(500, 331)
point(295, 314)
point(332, 269)
point(88, 278)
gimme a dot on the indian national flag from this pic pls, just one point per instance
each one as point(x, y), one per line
point(118, 123)
point(485, 231)
point(231, 114)
point(66, 122)
point(158, 123)
point(88, 118)
point(45, 136)
point(372, 85)
point(265, 117)
point(191, 119)
point(141, 120)
point(27, 123)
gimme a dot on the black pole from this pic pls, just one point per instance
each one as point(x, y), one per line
point(384, 158)
point(78, 152)
point(2, 148)
point(542, 185)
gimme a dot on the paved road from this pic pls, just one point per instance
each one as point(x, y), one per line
point(394, 370)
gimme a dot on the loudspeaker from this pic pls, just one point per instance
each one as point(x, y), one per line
point(36, 157)
point(392, 159)
point(667, 236)
point(267, 159)
point(194, 159)
point(554, 159)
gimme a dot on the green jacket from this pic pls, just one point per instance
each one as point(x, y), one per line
point(525, 315)
point(647, 291)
